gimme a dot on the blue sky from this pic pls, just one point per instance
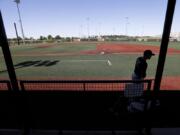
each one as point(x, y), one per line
point(70, 17)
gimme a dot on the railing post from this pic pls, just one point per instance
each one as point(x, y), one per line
point(149, 84)
point(84, 86)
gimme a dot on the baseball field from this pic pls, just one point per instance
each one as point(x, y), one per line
point(90, 61)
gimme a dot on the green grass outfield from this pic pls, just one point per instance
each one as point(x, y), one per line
point(106, 66)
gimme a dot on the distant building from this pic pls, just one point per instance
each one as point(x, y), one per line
point(99, 38)
point(148, 38)
point(141, 39)
point(76, 39)
point(172, 39)
point(175, 36)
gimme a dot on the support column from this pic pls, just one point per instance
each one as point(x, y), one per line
point(164, 44)
point(7, 56)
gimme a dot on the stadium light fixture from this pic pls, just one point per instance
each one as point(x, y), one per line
point(17, 1)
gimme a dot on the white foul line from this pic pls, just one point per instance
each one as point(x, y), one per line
point(83, 60)
point(108, 61)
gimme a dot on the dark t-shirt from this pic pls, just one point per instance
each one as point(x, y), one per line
point(140, 67)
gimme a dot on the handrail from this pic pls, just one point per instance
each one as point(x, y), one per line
point(85, 82)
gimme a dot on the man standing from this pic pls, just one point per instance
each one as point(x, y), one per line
point(134, 90)
point(141, 65)
point(139, 74)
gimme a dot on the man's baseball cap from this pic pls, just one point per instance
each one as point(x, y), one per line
point(148, 52)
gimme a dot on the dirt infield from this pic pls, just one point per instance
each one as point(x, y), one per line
point(103, 48)
point(127, 49)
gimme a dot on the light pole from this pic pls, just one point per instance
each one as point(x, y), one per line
point(100, 29)
point(142, 34)
point(114, 31)
point(81, 31)
point(16, 33)
point(127, 22)
point(88, 27)
point(20, 21)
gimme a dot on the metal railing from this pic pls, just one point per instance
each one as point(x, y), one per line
point(5, 85)
point(81, 85)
